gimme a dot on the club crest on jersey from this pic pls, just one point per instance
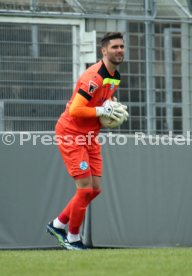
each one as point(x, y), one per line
point(83, 165)
point(92, 86)
point(112, 86)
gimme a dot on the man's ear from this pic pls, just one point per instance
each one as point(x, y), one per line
point(103, 51)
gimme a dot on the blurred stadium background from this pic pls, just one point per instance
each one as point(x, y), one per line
point(44, 45)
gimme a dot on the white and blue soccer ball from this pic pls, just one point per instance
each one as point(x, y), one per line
point(107, 122)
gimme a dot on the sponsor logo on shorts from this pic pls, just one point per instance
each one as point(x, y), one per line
point(83, 165)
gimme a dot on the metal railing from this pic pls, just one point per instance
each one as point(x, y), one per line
point(36, 72)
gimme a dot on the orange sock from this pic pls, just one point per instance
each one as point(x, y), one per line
point(78, 208)
point(65, 214)
point(95, 193)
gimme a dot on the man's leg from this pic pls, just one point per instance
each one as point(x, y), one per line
point(87, 185)
point(96, 186)
point(87, 189)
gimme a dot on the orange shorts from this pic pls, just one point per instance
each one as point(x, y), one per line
point(81, 156)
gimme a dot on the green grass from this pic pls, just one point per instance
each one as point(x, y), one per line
point(97, 262)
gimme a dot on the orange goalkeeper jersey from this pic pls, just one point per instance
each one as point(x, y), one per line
point(97, 85)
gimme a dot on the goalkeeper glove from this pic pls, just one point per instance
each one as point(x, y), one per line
point(110, 111)
point(126, 114)
point(114, 99)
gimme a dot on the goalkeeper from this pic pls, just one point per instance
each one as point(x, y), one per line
point(84, 161)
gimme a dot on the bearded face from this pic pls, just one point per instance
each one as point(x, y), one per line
point(114, 51)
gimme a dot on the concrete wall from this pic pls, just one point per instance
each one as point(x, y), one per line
point(146, 198)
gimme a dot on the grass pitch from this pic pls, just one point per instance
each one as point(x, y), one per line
point(97, 262)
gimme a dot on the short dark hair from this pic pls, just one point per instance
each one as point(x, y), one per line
point(109, 36)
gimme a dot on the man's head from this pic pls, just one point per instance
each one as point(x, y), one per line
point(112, 47)
point(110, 36)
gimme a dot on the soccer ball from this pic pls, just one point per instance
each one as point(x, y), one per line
point(107, 122)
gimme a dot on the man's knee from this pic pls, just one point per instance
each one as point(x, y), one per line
point(85, 182)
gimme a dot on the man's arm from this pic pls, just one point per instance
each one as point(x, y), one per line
point(79, 108)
